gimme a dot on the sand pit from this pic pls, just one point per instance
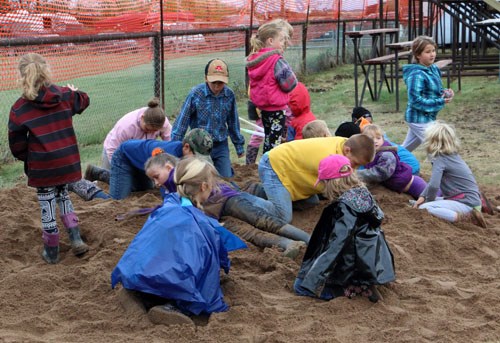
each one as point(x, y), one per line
point(447, 287)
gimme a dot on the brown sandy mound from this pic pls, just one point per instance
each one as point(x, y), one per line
point(447, 286)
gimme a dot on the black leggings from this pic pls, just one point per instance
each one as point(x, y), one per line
point(274, 125)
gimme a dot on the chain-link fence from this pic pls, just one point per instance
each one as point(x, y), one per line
point(121, 72)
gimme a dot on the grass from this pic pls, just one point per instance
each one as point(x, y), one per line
point(474, 110)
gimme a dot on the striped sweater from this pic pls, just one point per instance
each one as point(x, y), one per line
point(41, 134)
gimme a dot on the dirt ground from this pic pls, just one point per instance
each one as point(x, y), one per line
point(447, 286)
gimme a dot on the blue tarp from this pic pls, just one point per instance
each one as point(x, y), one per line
point(177, 255)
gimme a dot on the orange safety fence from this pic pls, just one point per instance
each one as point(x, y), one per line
point(121, 74)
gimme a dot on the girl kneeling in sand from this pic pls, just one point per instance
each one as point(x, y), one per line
point(461, 197)
point(347, 254)
point(175, 259)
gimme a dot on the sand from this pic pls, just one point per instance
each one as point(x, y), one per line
point(447, 287)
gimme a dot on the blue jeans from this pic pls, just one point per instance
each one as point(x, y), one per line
point(125, 178)
point(276, 193)
point(221, 158)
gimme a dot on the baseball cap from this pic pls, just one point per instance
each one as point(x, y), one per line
point(333, 167)
point(200, 141)
point(216, 70)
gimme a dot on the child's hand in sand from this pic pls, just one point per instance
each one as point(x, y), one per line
point(72, 87)
point(419, 202)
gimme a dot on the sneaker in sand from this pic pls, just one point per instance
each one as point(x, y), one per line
point(168, 315)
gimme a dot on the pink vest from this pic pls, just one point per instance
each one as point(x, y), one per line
point(265, 91)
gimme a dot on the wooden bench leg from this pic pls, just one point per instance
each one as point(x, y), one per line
point(366, 83)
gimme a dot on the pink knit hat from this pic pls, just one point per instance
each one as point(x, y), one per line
point(333, 167)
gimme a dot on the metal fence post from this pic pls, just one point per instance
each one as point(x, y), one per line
point(157, 66)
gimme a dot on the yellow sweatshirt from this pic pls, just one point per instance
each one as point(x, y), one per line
point(297, 162)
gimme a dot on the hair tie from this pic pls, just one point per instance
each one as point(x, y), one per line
point(157, 151)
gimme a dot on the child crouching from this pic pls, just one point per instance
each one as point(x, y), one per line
point(347, 254)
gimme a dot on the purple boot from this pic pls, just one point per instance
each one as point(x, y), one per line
point(50, 251)
point(70, 222)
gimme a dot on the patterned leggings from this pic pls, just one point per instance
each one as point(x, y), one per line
point(274, 125)
point(47, 198)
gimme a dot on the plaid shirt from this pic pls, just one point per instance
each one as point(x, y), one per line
point(218, 115)
point(425, 92)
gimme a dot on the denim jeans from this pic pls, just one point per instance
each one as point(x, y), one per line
point(221, 158)
point(125, 178)
point(254, 211)
point(276, 193)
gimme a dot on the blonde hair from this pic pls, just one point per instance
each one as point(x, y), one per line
point(35, 73)
point(440, 138)
point(361, 146)
point(316, 128)
point(190, 174)
point(154, 116)
point(373, 131)
point(160, 160)
point(419, 44)
point(270, 30)
point(334, 188)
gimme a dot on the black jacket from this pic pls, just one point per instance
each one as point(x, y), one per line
point(347, 246)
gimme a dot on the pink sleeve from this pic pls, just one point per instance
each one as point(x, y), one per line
point(166, 131)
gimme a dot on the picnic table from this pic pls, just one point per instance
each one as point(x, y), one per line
point(378, 39)
point(397, 47)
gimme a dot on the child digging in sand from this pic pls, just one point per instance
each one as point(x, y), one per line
point(461, 197)
point(224, 200)
point(387, 169)
point(173, 264)
point(347, 254)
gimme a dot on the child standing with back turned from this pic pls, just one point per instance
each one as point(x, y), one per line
point(347, 253)
point(462, 199)
point(426, 95)
point(271, 78)
point(41, 135)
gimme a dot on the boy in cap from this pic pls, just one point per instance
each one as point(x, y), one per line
point(212, 106)
point(127, 164)
point(288, 172)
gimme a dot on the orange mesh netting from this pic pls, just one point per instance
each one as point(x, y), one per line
point(99, 17)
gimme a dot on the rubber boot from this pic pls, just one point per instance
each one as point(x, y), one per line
point(50, 251)
point(251, 154)
point(70, 221)
point(291, 248)
point(294, 233)
point(85, 189)
point(255, 188)
point(93, 173)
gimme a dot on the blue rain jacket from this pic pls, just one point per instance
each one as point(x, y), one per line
point(177, 255)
